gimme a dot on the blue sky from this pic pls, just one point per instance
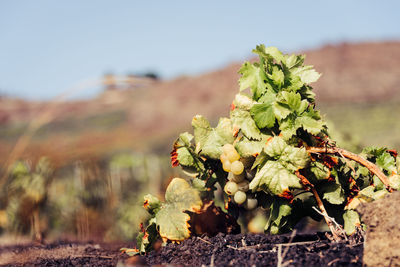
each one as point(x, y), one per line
point(49, 46)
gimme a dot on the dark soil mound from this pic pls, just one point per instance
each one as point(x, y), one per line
point(260, 250)
point(62, 254)
point(221, 250)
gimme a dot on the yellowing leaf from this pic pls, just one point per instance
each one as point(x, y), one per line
point(171, 219)
point(243, 102)
point(180, 194)
point(173, 223)
point(394, 181)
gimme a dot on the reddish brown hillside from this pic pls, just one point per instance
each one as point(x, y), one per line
point(149, 118)
point(367, 72)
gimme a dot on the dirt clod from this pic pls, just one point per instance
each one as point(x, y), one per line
point(382, 243)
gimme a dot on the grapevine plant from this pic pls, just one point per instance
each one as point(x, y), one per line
point(273, 153)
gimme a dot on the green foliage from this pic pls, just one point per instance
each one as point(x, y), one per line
point(210, 140)
point(351, 221)
point(27, 192)
point(272, 130)
point(276, 175)
point(28, 182)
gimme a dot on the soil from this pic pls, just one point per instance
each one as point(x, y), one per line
point(382, 245)
point(62, 253)
point(260, 250)
point(221, 250)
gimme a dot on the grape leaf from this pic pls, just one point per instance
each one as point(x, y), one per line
point(151, 203)
point(279, 210)
point(307, 74)
point(394, 181)
point(171, 219)
point(181, 195)
point(247, 148)
point(263, 115)
point(307, 93)
point(310, 124)
point(292, 61)
point(333, 193)
point(292, 99)
point(372, 192)
point(309, 121)
point(386, 162)
point(185, 139)
point(293, 83)
point(277, 175)
point(281, 110)
point(243, 102)
point(275, 178)
point(373, 151)
point(288, 127)
point(277, 77)
point(320, 171)
point(273, 52)
point(378, 183)
point(291, 157)
point(173, 223)
point(209, 141)
point(351, 221)
point(145, 240)
point(252, 78)
point(242, 120)
point(184, 157)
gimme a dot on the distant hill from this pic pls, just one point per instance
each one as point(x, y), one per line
point(148, 118)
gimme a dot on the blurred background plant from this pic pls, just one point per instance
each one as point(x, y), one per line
point(90, 200)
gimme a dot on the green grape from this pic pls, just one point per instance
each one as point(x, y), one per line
point(240, 197)
point(223, 157)
point(237, 167)
point(236, 178)
point(226, 166)
point(243, 186)
point(251, 204)
point(231, 188)
point(233, 156)
point(228, 148)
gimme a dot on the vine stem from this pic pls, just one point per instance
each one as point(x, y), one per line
point(347, 154)
point(335, 232)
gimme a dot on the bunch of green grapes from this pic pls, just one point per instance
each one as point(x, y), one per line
point(239, 174)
